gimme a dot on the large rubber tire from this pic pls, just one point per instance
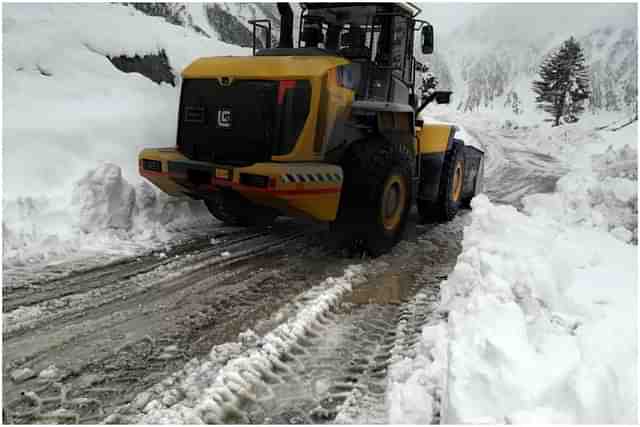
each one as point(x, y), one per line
point(233, 209)
point(451, 181)
point(376, 195)
point(478, 185)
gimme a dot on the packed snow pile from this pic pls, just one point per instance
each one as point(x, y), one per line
point(542, 322)
point(103, 199)
point(415, 395)
point(541, 327)
point(105, 213)
point(603, 201)
point(601, 190)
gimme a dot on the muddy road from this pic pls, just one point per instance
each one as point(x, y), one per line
point(111, 338)
point(113, 330)
point(80, 346)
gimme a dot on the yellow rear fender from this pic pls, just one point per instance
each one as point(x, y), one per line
point(435, 138)
point(433, 142)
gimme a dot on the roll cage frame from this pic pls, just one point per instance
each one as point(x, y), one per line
point(374, 25)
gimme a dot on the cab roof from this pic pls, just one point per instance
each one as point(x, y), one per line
point(358, 13)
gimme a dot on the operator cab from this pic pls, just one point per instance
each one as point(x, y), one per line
point(376, 37)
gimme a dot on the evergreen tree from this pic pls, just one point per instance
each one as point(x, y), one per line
point(564, 83)
point(512, 100)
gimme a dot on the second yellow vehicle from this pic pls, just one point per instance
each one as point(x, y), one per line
point(327, 130)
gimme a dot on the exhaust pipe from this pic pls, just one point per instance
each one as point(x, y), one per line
point(286, 25)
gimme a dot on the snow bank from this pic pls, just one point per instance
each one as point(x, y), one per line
point(541, 328)
point(416, 383)
point(601, 190)
point(105, 214)
point(542, 322)
point(542, 304)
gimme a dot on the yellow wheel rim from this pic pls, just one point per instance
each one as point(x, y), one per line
point(457, 182)
point(394, 199)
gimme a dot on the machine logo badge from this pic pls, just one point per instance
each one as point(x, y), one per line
point(225, 81)
point(224, 118)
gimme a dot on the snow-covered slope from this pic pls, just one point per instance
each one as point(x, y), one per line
point(67, 111)
point(65, 103)
point(494, 57)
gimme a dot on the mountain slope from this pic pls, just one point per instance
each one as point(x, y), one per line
point(229, 22)
point(493, 58)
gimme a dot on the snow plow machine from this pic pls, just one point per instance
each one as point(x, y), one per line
point(327, 130)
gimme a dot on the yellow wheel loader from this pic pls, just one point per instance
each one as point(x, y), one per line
point(327, 129)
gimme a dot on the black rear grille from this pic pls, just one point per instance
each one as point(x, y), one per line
point(227, 124)
point(245, 122)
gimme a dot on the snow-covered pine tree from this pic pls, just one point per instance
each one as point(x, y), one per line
point(564, 82)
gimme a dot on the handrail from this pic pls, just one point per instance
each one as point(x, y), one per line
point(257, 23)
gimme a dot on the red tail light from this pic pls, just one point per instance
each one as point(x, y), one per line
point(283, 87)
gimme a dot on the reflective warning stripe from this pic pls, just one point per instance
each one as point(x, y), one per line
point(310, 177)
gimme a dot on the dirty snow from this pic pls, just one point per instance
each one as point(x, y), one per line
point(21, 374)
point(50, 373)
point(212, 390)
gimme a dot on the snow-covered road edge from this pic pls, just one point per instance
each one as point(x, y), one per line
point(542, 306)
point(541, 329)
point(214, 390)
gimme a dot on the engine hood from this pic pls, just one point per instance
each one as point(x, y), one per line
point(262, 67)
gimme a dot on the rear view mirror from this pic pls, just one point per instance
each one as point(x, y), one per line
point(427, 39)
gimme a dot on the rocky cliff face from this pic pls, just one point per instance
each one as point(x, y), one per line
point(229, 22)
point(174, 13)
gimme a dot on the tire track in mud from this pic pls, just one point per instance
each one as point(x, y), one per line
point(131, 343)
point(36, 290)
point(23, 279)
point(333, 369)
point(342, 377)
point(129, 284)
